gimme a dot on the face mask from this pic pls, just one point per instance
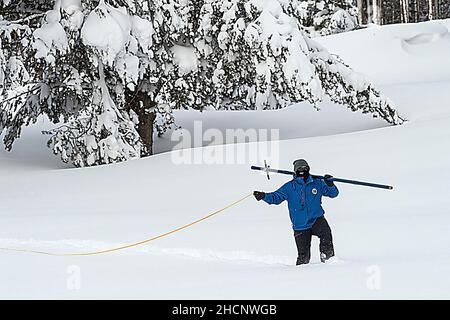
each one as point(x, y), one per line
point(303, 172)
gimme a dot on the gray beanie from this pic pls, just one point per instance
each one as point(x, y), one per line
point(300, 163)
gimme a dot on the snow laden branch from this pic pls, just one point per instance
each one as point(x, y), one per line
point(110, 73)
point(100, 134)
point(349, 88)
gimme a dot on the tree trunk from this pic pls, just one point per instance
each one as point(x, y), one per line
point(360, 11)
point(436, 9)
point(377, 12)
point(369, 12)
point(405, 11)
point(431, 14)
point(143, 106)
point(145, 130)
point(416, 11)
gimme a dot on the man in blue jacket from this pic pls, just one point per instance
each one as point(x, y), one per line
point(304, 196)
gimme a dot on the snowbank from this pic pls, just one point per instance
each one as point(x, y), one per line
point(249, 251)
point(396, 53)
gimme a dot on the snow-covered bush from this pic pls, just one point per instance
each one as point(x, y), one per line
point(112, 71)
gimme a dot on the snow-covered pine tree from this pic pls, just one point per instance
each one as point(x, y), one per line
point(76, 52)
point(64, 84)
point(112, 71)
point(324, 17)
point(141, 47)
point(260, 58)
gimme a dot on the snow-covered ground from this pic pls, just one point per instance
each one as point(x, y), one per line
point(390, 244)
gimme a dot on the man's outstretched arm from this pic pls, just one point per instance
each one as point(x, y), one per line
point(275, 197)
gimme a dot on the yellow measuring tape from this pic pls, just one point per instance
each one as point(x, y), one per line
point(132, 244)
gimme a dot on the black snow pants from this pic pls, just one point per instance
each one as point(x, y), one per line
point(320, 229)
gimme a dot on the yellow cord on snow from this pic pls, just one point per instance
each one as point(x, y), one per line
point(136, 243)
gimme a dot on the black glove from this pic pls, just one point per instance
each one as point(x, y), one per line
point(259, 195)
point(328, 180)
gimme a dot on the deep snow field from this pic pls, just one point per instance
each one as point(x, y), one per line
point(390, 244)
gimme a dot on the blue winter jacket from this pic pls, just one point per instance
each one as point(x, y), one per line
point(304, 200)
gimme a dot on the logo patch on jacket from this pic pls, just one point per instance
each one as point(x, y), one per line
point(314, 191)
